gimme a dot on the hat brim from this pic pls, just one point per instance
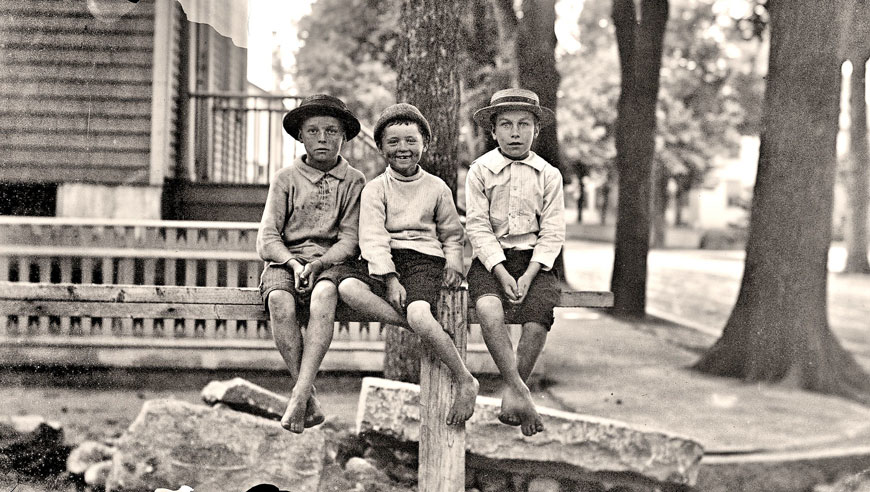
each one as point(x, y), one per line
point(294, 119)
point(483, 116)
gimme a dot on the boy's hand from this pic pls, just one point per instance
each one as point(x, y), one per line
point(452, 278)
point(508, 283)
point(525, 280)
point(523, 284)
point(309, 274)
point(298, 282)
point(396, 293)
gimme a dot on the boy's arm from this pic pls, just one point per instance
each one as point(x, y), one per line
point(551, 237)
point(448, 227)
point(477, 226)
point(348, 227)
point(374, 240)
point(270, 244)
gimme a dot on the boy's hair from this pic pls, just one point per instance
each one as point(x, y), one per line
point(402, 121)
point(402, 113)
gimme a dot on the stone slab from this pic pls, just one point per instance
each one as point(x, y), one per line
point(173, 443)
point(245, 396)
point(591, 444)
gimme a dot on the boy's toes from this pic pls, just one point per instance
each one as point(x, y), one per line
point(509, 419)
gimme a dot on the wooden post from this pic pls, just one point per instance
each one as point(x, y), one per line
point(442, 446)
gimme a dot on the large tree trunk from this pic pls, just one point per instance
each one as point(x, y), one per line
point(778, 330)
point(427, 78)
point(536, 63)
point(640, 58)
point(660, 206)
point(857, 177)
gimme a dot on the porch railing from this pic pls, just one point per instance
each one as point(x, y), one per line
point(239, 138)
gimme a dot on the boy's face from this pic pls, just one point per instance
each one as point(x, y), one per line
point(322, 137)
point(515, 131)
point(402, 146)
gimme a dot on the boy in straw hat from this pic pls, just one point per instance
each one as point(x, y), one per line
point(516, 225)
point(308, 230)
point(412, 241)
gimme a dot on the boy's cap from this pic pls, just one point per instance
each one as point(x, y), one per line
point(402, 111)
point(514, 99)
point(321, 105)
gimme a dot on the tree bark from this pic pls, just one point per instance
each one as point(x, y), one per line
point(427, 62)
point(857, 177)
point(778, 330)
point(660, 206)
point(536, 64)
point(640, 58)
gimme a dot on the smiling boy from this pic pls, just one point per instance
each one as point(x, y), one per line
point(412, 241)
point(308, 230)
point(516, 226)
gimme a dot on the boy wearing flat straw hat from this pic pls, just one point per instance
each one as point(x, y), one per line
point(309, 229)
point(516, 225)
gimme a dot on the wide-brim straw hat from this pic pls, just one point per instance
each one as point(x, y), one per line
point(321, 105)
point(514, 99)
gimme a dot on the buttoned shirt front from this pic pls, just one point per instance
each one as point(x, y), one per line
point(311, 214)
point(514, 204)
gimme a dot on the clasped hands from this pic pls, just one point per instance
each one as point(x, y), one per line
point(305, 275)
point(515, 289)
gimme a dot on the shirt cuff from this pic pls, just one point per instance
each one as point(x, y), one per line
point(493, 259)
point(546, 259)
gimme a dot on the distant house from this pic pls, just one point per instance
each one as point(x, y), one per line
point(105, 104)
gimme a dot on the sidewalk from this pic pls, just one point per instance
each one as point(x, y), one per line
point(752, 433)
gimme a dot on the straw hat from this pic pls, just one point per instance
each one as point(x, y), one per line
point(514, 99)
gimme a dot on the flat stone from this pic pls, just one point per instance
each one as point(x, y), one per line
point(173, 443)
point(245, 396)
point(587, 443)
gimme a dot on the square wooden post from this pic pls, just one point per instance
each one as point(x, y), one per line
point(442, 446)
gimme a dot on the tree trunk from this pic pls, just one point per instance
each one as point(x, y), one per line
point(506, 21)
point(640, 57)
point(778, 330)
point(536, 63)
point(857, 177)
point(660, 206)
point(427, 64)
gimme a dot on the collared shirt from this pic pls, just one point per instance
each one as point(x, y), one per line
point(311, 214)
point(409, 212)
point(514, 205)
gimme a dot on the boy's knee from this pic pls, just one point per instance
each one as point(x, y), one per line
point(489, 306)
point(419, 314)
point(350, 288)
point(324, 293)
point(282, 306)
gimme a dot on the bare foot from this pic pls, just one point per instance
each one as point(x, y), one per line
point(313, 412)
point(294, 416)
point(464, 397)
point(518, 409)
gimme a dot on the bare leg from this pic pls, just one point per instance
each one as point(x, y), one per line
point(359, 297)
point(318, 337)
point(432, 334)
point(517, 406)
point(529, 348)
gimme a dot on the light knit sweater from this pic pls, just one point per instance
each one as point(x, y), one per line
point(415, 212)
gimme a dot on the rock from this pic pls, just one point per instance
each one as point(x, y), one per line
point(245, 396)
point(32, 446)
point(361, 468)
point(87, 454)
point(544, 484)
point(96, 475)
point(173, 442)
point(585, 443)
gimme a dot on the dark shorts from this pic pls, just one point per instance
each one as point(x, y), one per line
point(420, 274)
point(280, 277)
point(540, 301)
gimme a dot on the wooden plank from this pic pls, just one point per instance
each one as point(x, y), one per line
point(97, 252)
point(442, 447)
point(130, 310)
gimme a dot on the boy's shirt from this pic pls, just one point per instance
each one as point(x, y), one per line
point(415, 212)
point(514, 205)
point(311, 214)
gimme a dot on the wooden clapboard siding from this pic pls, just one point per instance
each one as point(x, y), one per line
point(77, 92)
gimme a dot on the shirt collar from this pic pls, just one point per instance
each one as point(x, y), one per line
point(339, 171)
point(495, 161)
